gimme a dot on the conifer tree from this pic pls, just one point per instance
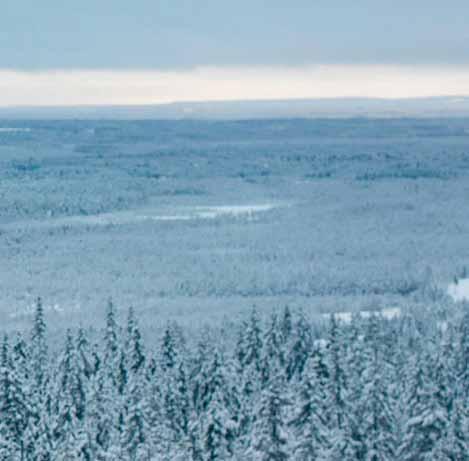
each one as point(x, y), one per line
point(309, 421)
point(463, 355)
point(253, 342)
point(84, 354)
point(273, 357)
point(426, 419)
point(14, 409)
point(216, 441)
point(286, 324)
point(300, 349)
point(269, 437)
point(111, 353)
point(70, 395)
point(135, 433)
point(135, 353)
point(38, 347)
point(102, 415)
point(454, 446)
point(337, 376)
point(379, 418)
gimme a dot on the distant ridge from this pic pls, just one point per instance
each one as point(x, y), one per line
point(455, 106)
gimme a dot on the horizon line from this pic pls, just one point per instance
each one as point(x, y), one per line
point(211, 84)
point(454, 97)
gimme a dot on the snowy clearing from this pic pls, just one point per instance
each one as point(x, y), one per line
point(181, 213)
point(459, 290)
point(14, 130)
point(388, 313)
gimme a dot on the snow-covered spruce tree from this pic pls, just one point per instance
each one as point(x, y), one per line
point(300, 347)
point(379, 423)
point(426, 419)
point(39, 441)
point(337, 386)
point(122, 373)
point(14, 409)
point(249, 371)
point(183, 392)
point(212, 381)
point(356, 361)
point(196, 369)
point(342, 411)
point(111, 350)
point(38, 347)
point(216, 424)
point(69, 402)
point(444, 372)
point(273, 354)
point(75, 446)
point(269, 438)
point(253, 342)
point(171, 411)
point(135, 434)
point(250, 389)
point(240, 349)
point(454, 446)
point(169, 350)
point(84, 354)
point(101, 416)
point(463, 353)
point(309, 423)
point(158, 429)
point(286, 325)
point(134, 345)
point(129, 367)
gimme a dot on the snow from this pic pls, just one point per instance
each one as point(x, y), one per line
point(181, 213)
point(211, 212)
point(387, 313)
point(14, 130)
point(459, 290)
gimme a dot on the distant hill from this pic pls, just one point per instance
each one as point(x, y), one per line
point(226, 110)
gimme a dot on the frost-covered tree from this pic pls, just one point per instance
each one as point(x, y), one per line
point(253, 341)
point(309, 423)
point(169, 349)
point(216, 430)
point(379, 434)
point(426, 418)
point(135, 435)
point(269, 439)
point(39, 346)
point(300, 347)
point(134, 344)
point(14, 410)
point(370, 389)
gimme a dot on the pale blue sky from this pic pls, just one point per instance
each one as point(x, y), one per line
point(61, 52)
point(168, 34)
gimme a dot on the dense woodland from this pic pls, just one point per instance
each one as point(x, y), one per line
point(282, 389)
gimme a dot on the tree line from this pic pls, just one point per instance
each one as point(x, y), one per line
point(284, 388)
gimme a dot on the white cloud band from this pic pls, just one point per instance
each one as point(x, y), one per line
point(90, 87)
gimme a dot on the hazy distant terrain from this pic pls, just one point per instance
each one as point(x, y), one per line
point(267, 109)
point(197, 219)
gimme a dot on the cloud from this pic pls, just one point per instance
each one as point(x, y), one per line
point(117, 87)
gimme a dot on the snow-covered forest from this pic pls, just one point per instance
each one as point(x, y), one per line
point(355, 211)
point(274, 387)
point(193, 223)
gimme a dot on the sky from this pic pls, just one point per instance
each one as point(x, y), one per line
point(57, 52)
